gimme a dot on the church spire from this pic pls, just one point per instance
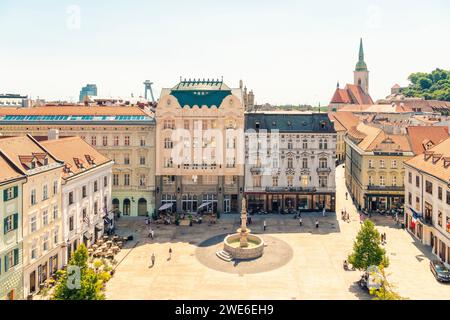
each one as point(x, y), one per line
point(361, 65)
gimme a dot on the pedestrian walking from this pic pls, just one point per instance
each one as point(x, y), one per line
point(317, 224)
point(264, 225)
point(152, 232)
point(323, 212)
point(249, 220)
point(384, 237)
point(153, 258)
point(346, 196)
point(300, 221)
point(170, 253)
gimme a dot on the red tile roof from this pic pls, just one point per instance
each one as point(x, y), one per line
point(421, 136)
point(351, 94)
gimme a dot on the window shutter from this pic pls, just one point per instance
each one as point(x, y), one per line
point(5, 226)
point(16, 191)
point(6, 264)
point(16, 257)
point(16, 221)
point(5, 195)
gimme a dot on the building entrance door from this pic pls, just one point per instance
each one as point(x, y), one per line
point(142, 207)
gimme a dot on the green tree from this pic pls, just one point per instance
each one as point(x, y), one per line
point(430, 86)
point(79, 281)
point(386, 290)
point(367, 250)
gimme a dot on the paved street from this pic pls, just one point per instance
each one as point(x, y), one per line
point(310, 269)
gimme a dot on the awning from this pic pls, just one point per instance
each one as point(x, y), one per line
point(165, 206)
point(205, 204)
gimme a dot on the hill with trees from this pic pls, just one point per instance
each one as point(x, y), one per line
point(430, 86)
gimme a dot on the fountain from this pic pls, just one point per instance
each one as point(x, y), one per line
point(243, 245)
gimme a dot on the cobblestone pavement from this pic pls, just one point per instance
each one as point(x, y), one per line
point(313, 272)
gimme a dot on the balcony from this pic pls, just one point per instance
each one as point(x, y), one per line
point(257, 170)
point(323, 170)
point(427, 220)
point(290, 189)
point(385, 188)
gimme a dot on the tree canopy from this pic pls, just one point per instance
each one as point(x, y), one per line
point(367, 250)
point(79, 281)
point(431, 86)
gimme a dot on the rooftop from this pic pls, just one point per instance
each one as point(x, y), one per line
point(74, 113)
point(78, 155)
point(289, 122)
point(25, 153)
point(435, 161)
point(422, 137)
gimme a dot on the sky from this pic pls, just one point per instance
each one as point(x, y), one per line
point(287, 52)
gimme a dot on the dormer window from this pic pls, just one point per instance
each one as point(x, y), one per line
point(427, 155)
point(78, 163)
point(446, 162)
point(89, 159)
point(257, 125)
point(436, 157)
point(45, 161)
point(33, 164)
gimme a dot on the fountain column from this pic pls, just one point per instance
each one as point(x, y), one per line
point(243, 230)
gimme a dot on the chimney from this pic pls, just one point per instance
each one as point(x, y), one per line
point(53, 134)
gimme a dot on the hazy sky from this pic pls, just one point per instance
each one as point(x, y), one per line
point(286, 51)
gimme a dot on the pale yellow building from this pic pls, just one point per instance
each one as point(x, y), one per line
point(125, 134)
point(374, 167)
point(199, 134)
point(42, 219)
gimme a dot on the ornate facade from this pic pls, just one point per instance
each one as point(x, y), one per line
point(199, 134)
point(290, 161)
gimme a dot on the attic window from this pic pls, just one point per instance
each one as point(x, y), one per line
point(322, 125)
point(289, 124)
point(257, 125)
point(78, 163)
point(436, 157)
point(274, 123)
point(89, 159)
point(67, 168)
point(446, 162)
point(427, 155)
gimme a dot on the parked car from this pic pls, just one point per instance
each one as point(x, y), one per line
point(440, 272)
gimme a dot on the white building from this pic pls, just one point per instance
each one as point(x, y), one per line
point(85, 190)
point(42, 223)
point(427, 192)
point(14, 100)
point(290, 161)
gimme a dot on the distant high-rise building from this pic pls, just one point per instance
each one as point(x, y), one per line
point(88, 90)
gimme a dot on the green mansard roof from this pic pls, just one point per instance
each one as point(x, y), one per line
point(200, 92)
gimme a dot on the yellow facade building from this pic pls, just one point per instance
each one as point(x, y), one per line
point(125, 134)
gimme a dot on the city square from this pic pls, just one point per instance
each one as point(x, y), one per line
point(313, 270)
point(204, 151)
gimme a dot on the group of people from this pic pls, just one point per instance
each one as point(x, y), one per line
point(345, 216)
point(153, 258)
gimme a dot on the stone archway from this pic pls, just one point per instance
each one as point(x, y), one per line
point(142, 207)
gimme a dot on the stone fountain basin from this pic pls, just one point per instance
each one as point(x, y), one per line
point(254, 250)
